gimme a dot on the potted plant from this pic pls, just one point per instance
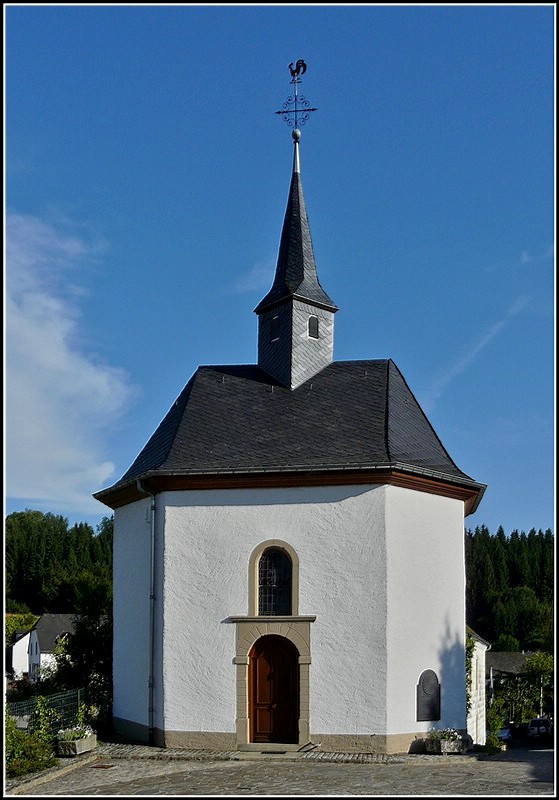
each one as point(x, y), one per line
point(444, 740)
point(77, 739)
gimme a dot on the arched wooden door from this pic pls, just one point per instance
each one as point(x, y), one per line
point(274, 690)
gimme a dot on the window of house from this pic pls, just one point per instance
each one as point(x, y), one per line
point(274, 583)
point(313, 327)
point(275, 328)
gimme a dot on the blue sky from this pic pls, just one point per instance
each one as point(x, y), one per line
point(146, 182)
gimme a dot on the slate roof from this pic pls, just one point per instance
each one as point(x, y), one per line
point(50, 626)
point(477, 637)
point(296, 269)
point(508, 662)
point(352, 414)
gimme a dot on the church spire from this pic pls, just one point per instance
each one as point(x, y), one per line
point(296, 269)
point(296, 317)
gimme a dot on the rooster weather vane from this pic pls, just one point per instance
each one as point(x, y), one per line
point(296, 109)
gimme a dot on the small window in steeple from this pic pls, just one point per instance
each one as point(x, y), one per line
point(313, 327)
point(275, 329)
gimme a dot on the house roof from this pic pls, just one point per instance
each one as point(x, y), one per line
point(49, 627)
point(507, 662)
point(352, 415)
point(477, 637)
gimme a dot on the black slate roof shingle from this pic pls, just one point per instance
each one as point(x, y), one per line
point(352, 414)
point(50, 627)
point(507, 662)
point(296, 269)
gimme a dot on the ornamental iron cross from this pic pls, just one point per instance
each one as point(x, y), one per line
point(296, 111)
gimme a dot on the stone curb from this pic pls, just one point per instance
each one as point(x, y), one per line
point(20, 785)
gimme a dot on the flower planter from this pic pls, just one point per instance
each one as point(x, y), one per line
point(74, 747)
point(438, 746)
point(451, 746)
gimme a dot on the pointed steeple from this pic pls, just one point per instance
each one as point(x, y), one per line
point(296, 317)
point(296, 269)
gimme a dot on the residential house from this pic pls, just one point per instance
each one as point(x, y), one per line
point(43, 638)
point(18, 656)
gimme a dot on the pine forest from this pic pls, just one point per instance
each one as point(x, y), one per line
point(53, 568)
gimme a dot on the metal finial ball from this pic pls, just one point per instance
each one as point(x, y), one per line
point(296, 134)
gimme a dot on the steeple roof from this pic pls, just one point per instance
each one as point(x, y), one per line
point(296, 269)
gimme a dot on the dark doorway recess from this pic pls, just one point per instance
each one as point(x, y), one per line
point(274, 691)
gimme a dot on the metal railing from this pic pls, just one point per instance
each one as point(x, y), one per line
point(64, 707)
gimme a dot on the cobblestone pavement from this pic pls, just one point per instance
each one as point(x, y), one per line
point(132, 770)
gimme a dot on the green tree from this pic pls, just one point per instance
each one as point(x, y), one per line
point(539, 673)
point(44, 557)
point(18, 622)
point(506, 643)
point(509, 587)
point(85, 657)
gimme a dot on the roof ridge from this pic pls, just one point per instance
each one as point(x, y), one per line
point(387, 412)
point(426, 419)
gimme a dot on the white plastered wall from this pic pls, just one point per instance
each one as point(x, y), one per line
point(476, 717)
point(426, 605)
point(338, 534)
point(131, 628)
point(20, 656)
point(369, 643)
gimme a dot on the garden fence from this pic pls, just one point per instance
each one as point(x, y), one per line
point(63, 705)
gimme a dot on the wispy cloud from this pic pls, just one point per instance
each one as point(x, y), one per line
point(260, 276)
point(60, 400)
point(528, 257)
point(461, 365)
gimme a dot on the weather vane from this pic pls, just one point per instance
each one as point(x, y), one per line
point(296, 109)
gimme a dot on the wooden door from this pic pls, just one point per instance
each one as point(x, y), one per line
point(274, 691)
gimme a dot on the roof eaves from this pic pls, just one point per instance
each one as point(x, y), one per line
point(266, 305)
point(278, 468)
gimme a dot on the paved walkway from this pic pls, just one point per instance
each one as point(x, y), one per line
point(146, 771)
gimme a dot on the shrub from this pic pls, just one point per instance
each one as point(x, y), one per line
point(25, 752)
point(44, 721)
point(492, 744)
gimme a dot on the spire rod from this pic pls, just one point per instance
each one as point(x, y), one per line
point(296, 110)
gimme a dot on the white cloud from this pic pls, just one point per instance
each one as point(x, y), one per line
point(60, 400)
point(527, 257)
point(460, 366)
point(260, 276)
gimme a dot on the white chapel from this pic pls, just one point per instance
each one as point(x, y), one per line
point(289, 547)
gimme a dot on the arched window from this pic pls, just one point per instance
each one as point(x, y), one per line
point(274, 583)
point(313, 327)
point(274, 328)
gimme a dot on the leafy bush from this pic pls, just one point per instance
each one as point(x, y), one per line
point(492, 744)
point(44, 721)
point(25, 752)
point(23, 621)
